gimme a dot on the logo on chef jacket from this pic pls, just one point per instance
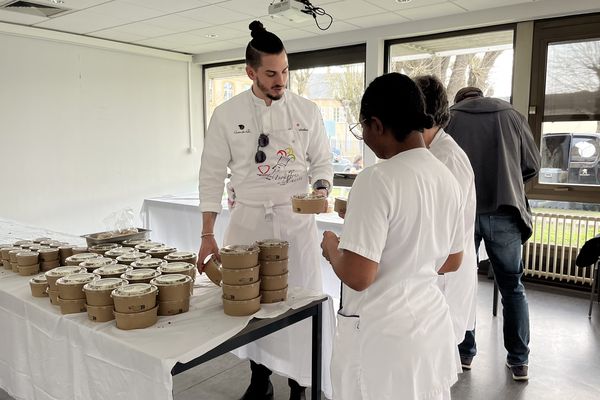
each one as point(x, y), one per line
point(300, 129)
point(240, 129)
point(279, 172)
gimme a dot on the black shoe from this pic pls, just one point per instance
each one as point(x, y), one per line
point(466, 362)
point(297, 392)
point(253, 393)
point(519, 372)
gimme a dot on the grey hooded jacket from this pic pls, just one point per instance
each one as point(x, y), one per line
point(503, 154)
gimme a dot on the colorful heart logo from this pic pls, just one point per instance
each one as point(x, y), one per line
point(282, 153)
point(263, 169)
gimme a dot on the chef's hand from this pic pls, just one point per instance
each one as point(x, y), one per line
point(329, 245)
point(207, 247)
point(342, 214)
point(322, 192)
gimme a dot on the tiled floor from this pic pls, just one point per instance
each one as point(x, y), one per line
point(564, 360)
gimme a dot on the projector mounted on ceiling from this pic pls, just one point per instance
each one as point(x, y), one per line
point(292, 10)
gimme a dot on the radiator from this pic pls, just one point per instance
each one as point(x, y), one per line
point(551, 251)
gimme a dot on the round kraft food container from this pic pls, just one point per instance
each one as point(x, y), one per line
point(119, 251)
point(112, 271)
point(47, 242)
point(242, 276)
point(80, 249)
point(241, 307)
point(103, 247)
point(183, 256)
point(70, 287)
point(97, 292)
point(241, 292)
point(340, 204)
point(134, 242)
point(178, 267)
point(48, 265)
point(71, 306)
point(239, 256)
point(78, 258)
point(141, 275)
point(274, 282)
point(7, 265)
point(28, 269)
point(96, 263)
point(134, 297)
point(25, 258)
point(128, 258)
point(64, 252)
point(5, 252)
point(56, 244)
point(14, 267)
point(309, 204)
point(100, 313)
point(150, 262)
point(273, 296)
point(138, 320)
point(53, 294)
point(143, 247)
point(54, 274)
point(269, 268)
point(19, 243)
point(12, 254)
point(172, 287)
point(173, 307)
point(273, 249)
point(49, 254)
point(38, 285)
point(213, 270)
point(41, 239)
point(161, 252)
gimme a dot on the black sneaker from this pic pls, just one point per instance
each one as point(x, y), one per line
point(519, 372)
point(253, 394)
point(466, 362)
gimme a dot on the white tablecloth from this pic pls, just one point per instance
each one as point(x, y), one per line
point(50, 356)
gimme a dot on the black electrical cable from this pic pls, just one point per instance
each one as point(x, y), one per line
point(316, 11)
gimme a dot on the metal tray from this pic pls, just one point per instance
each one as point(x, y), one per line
point(92, 238)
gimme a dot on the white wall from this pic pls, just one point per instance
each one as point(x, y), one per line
point(86, 130)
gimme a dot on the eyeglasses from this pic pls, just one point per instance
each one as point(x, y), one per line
point(260, 156)
point(356, 129)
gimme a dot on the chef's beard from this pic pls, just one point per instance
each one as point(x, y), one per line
point(264, 89)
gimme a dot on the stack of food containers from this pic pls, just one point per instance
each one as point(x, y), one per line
point(135, 305)
point(71, 296)
point(140, 275)
point(6, 257)
point(273, 258)
point(173, 293)
point(39, 286)
point(27, 263)
point(78, 258)
point(99, 303)
point(161, 251)
point(64, 252)
point(49, 258)
point(241, 284)
point(54, 274)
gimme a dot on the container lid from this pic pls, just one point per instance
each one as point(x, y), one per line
point(142, 273)
point(45, 250)
point(105, 246)
point(177, 267)
point(239, 249)
point(119, 251)
point(41, 278)
point(112, 269)
point(172, 279)
point(162, 249)
point(180, 255)
point(97, 262)
point(83, 257)
point(148, 263)
point(63, 271)
point(77, 279)
point(148, 245)
point(22, 242)
point(132, 256)
point(105, 284)
point(272, 243)
point(41, 239)
point(27, 254)
point(134, 242)
point(134, 289)
point(308, 196)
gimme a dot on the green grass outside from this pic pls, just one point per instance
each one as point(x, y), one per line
point(567, 232)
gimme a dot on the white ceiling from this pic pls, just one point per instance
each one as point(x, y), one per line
point(201, 26)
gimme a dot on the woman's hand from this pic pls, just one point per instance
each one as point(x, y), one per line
point(208, 246)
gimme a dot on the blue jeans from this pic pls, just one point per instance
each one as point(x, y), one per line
point(502, 237)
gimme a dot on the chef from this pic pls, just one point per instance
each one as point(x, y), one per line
point(394, 338)
point(275, 144)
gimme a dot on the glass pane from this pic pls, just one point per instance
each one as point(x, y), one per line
point(573, 81)
point(484, 60)
point(337, 91)
point(222, 83)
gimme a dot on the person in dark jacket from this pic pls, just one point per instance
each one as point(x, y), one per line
point(504, 156)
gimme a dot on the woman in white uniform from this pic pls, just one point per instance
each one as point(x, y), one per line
point(272, 141)
point(460, 287)
point(394, 337)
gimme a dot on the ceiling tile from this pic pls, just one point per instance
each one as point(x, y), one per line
point(142, 29)
point(432, 11)
point(127, 11)
point(18, 18)
point(250, 7)
point(83, 22)
point(291, 34)
point(215, 15)
point(168, 6)
point(269, 23)
point(82, 4)
point(386, 18)
point(336, 26)
point(178, 39)
point(118, 34)
point(351, 9)
point(222, 32)
point(393, 5)
point(473, 5)
point(176, 23)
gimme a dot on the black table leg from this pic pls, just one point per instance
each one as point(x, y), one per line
point(316, 353)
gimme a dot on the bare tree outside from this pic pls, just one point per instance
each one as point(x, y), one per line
point(300, 79)
point(348, 87)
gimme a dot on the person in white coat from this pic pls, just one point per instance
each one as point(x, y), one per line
point(460, 287)
point(272, 141)
point(394, 337)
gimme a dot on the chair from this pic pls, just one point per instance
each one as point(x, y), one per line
point(595, 285)
point(589, 256)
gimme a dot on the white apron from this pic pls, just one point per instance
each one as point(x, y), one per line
point(257, 216)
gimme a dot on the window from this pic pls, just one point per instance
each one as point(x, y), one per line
point(222, 82)
point(227, 90)
point(471, 58)
point(564, 111)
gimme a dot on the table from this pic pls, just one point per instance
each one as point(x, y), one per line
point(49, 356)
